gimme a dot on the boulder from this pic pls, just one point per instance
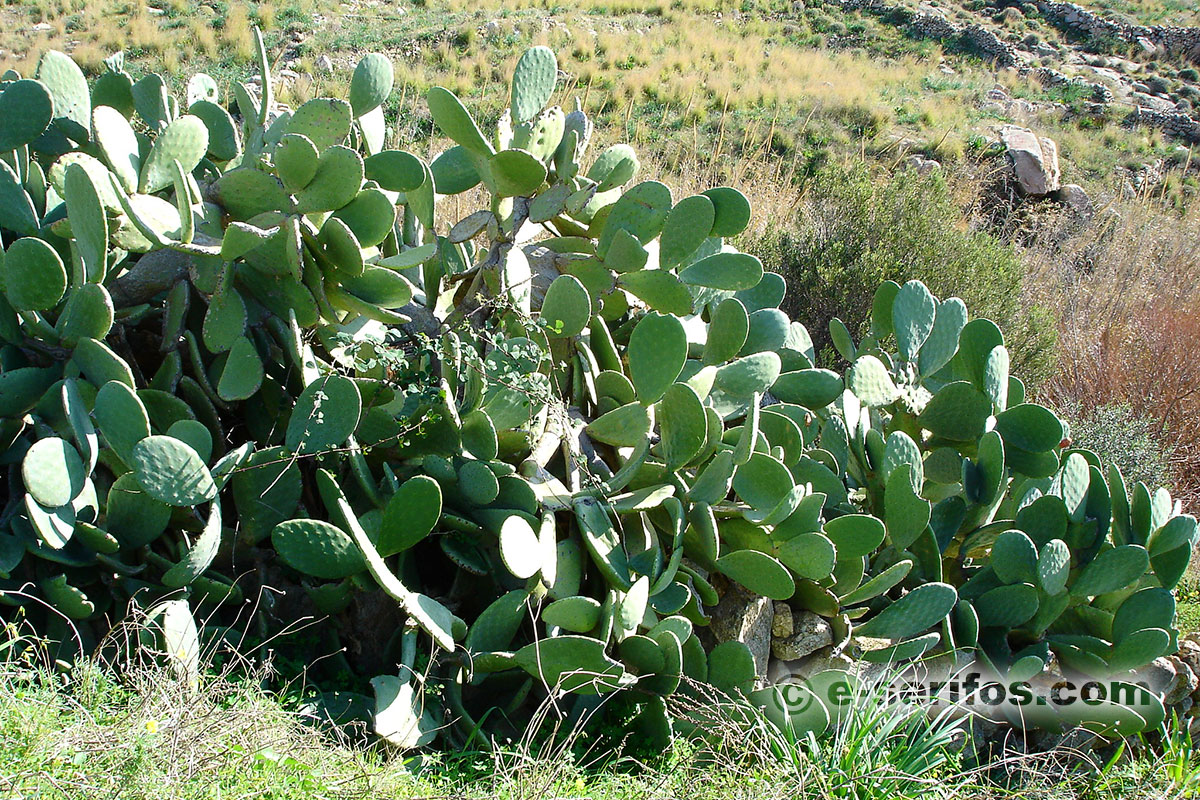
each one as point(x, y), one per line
point(922, 165)
point(746, 618)
point(1034, 160)
point(1074, 197)
point(810, 633)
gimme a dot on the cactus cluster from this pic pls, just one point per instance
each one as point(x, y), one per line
point(240, 339)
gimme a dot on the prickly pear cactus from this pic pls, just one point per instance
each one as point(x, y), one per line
point(243, 340)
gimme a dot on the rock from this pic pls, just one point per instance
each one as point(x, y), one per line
point(782, 623)
point(1148, 47)
point(492, 28)
point(1034, 160)
point(783, 671)
point(1074, 197)
point(1186, 682)
point(324, 65)
point(810, 633)
point(42, 27)
point(746, 618)
point(1159, 676)
point(922, 165)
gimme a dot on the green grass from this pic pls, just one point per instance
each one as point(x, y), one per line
point(140, 734)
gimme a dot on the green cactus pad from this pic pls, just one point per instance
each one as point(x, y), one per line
point(317, 549)
point(1139, 648)
point(224, 321)
point(1148, 608)
point(731, 667)
point(496, 626)
point(88, 224)
point(1030, 427)
point(574, 664)
point(748, 375)
point(687, 227)
point(575, 614)
point(726, 332)
point(870, 381)
point(245, 193)
point(53, 472)
point(200, 555)
point(881, 584)
point(942, 343)
point(855, 536)
point(658, 289)
point(810, 555)
point(811, 388)
point(714, 481)
point(1112, 570)
point(1015, 557)
point(69, 89)
point(533, 82)
point(567, 308)
point(758, 572)
point(657, 351)
point(1007, 606)
point(195, 435)
point(135, 517)
point(296, 159)
point(325, 415)
point(602, 542)
point(26, 109)
point(683, 424)
point(16, 206)
point(337, 181)
point(762, 481)
point(455, 121)
point(121, 418)
point(370, 216)
point(243, 372)
point(913, 315)
point(626, 426)
point(641, 211)
point(410, 515)
point(912, 614)
point(881, 310)
point(72, 602)
point(325, 121)
point(371, 84)
point(266, 491)
point(478, 483)
point(516, 173)
point(34, 276)
point(615, 167)
point(728, 271)
point(1053, 566)
point(732, 211)
point(958, 411)
point(906, 512)
point(171, 472)
point(184, 140)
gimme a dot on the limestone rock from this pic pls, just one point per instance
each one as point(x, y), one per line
point(810, 633)
point(1074, 197)
point(746, 618)
point(1034, 160)
point(782, 624)
point(922, 165)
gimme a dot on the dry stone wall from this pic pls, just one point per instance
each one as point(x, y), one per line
point(1174, 39)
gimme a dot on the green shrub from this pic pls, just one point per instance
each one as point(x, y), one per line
point(853, 232)
point(1120, 436)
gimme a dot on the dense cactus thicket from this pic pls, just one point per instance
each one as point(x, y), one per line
point(517, 453)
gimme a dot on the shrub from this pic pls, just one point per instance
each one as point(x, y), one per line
point(1119, 435)
point(852, 232)
point(481, 460)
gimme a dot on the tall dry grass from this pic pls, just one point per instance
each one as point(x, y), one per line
point(1126, 291)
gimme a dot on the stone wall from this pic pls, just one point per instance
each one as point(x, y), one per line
point(1174, 39)
point(1178, 125)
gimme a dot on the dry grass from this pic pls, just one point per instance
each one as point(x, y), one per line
point(1126, 290)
